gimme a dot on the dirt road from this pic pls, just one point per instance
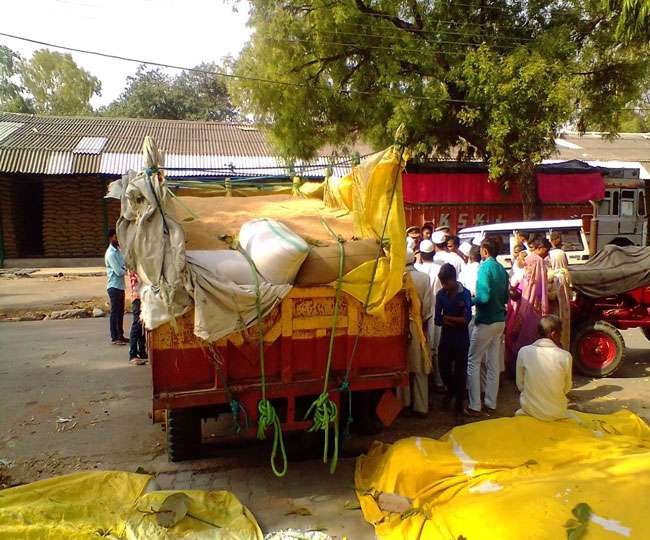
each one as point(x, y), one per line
point(70, 401)
point(20, 295)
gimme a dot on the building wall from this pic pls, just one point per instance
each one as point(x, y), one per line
point(73, 219)
point(7, 218)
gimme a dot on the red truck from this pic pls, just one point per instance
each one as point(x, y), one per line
point(459, 195)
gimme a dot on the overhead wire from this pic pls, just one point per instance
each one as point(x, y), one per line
point(260, 79)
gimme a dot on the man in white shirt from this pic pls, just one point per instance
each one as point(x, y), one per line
point(469, 273)
point(430, 267)
point(544, 373)
point(442, 256)
point(419, 366)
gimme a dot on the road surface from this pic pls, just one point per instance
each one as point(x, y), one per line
point(71, 401)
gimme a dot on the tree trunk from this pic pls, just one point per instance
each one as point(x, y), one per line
point(531, 205)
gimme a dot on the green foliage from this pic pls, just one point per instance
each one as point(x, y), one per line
point(192, 95)
point(58, 85)
point(494, 81)
point(633, 20)
point(12, 98)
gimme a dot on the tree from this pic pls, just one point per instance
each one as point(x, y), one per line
point(12, 98)
point(192, 95)
point(633, 18)
point(58, 85)
point(473, 79)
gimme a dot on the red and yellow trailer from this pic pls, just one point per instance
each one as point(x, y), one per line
point(194, 380)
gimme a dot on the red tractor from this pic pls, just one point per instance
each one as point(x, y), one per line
point(612, 293)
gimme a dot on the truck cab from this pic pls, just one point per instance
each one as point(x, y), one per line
point(622, 212)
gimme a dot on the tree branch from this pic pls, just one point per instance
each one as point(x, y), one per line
point(324, 60)
point(396, 21)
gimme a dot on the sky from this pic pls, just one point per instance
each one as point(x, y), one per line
point(179, 32)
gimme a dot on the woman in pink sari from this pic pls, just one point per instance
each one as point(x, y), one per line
point(533, 304)
point(515, 288)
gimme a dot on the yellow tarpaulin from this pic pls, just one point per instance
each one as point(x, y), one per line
point(513, 478)
point(115, 505)
point(373, 183)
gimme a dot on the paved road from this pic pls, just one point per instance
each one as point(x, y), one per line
point(51, 370)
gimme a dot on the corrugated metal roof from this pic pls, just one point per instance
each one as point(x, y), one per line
point(7, 128)
point(112, 146)
point(90, 145)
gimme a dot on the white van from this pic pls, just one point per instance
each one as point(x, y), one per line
point(574, 240)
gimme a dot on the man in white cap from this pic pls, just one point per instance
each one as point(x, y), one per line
point(417, 394)
point(412, 237)
point(442, 256)
point(431, 267)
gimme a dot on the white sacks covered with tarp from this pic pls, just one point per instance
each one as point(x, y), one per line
point(153, 243)
point(276, 250)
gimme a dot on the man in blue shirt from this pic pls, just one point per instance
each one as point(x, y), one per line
point(453, 313)
point(115, 271)
point(485, 342)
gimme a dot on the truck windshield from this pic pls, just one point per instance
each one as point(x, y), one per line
point(627, 203)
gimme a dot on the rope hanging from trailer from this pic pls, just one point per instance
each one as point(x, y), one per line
point(236, 407)
point(324, 409)
point(345, 384)
point(267, 416)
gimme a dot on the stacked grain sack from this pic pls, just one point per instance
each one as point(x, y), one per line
point(7, 216)
point(73, 218)
point(293, 247)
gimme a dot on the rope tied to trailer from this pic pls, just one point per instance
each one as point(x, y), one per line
point(267, 416)
point(345, 384)
point(324, 409)
point(236, 407)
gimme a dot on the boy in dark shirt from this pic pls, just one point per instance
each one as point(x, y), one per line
point(453, 314)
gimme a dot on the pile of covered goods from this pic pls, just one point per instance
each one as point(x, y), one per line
point(233, 259)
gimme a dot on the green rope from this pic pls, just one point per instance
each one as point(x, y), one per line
point(267, 415)
point(324, 409)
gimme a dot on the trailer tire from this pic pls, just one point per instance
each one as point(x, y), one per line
point(183, 434)
point(598, 349)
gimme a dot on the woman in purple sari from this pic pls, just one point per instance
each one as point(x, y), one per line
point(516, 281)
point(533, 304)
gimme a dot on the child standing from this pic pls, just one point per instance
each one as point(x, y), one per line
point(453, 314)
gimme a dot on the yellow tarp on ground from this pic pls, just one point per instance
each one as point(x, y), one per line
point(373, 182)
point(114, 505)
point(513, 478)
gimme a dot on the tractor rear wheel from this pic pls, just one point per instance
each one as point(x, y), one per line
point(598, 349)
point(183, 434)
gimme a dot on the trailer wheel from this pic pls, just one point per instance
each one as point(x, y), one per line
point(183, 434)
point(598, 349)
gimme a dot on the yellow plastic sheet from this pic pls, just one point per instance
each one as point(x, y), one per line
point(114, 505)
point(372, 184)
point(513, 478)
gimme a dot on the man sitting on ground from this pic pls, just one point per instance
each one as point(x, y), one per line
point(544, 373)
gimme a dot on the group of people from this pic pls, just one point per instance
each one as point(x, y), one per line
point(116, 272)
point(479, 318)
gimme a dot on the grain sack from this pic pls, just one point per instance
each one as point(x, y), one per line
point(322, 264)
point(226, 264)
point(217, 216)
point(275, 249)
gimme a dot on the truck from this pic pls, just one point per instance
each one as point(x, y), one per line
point(611, 202)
